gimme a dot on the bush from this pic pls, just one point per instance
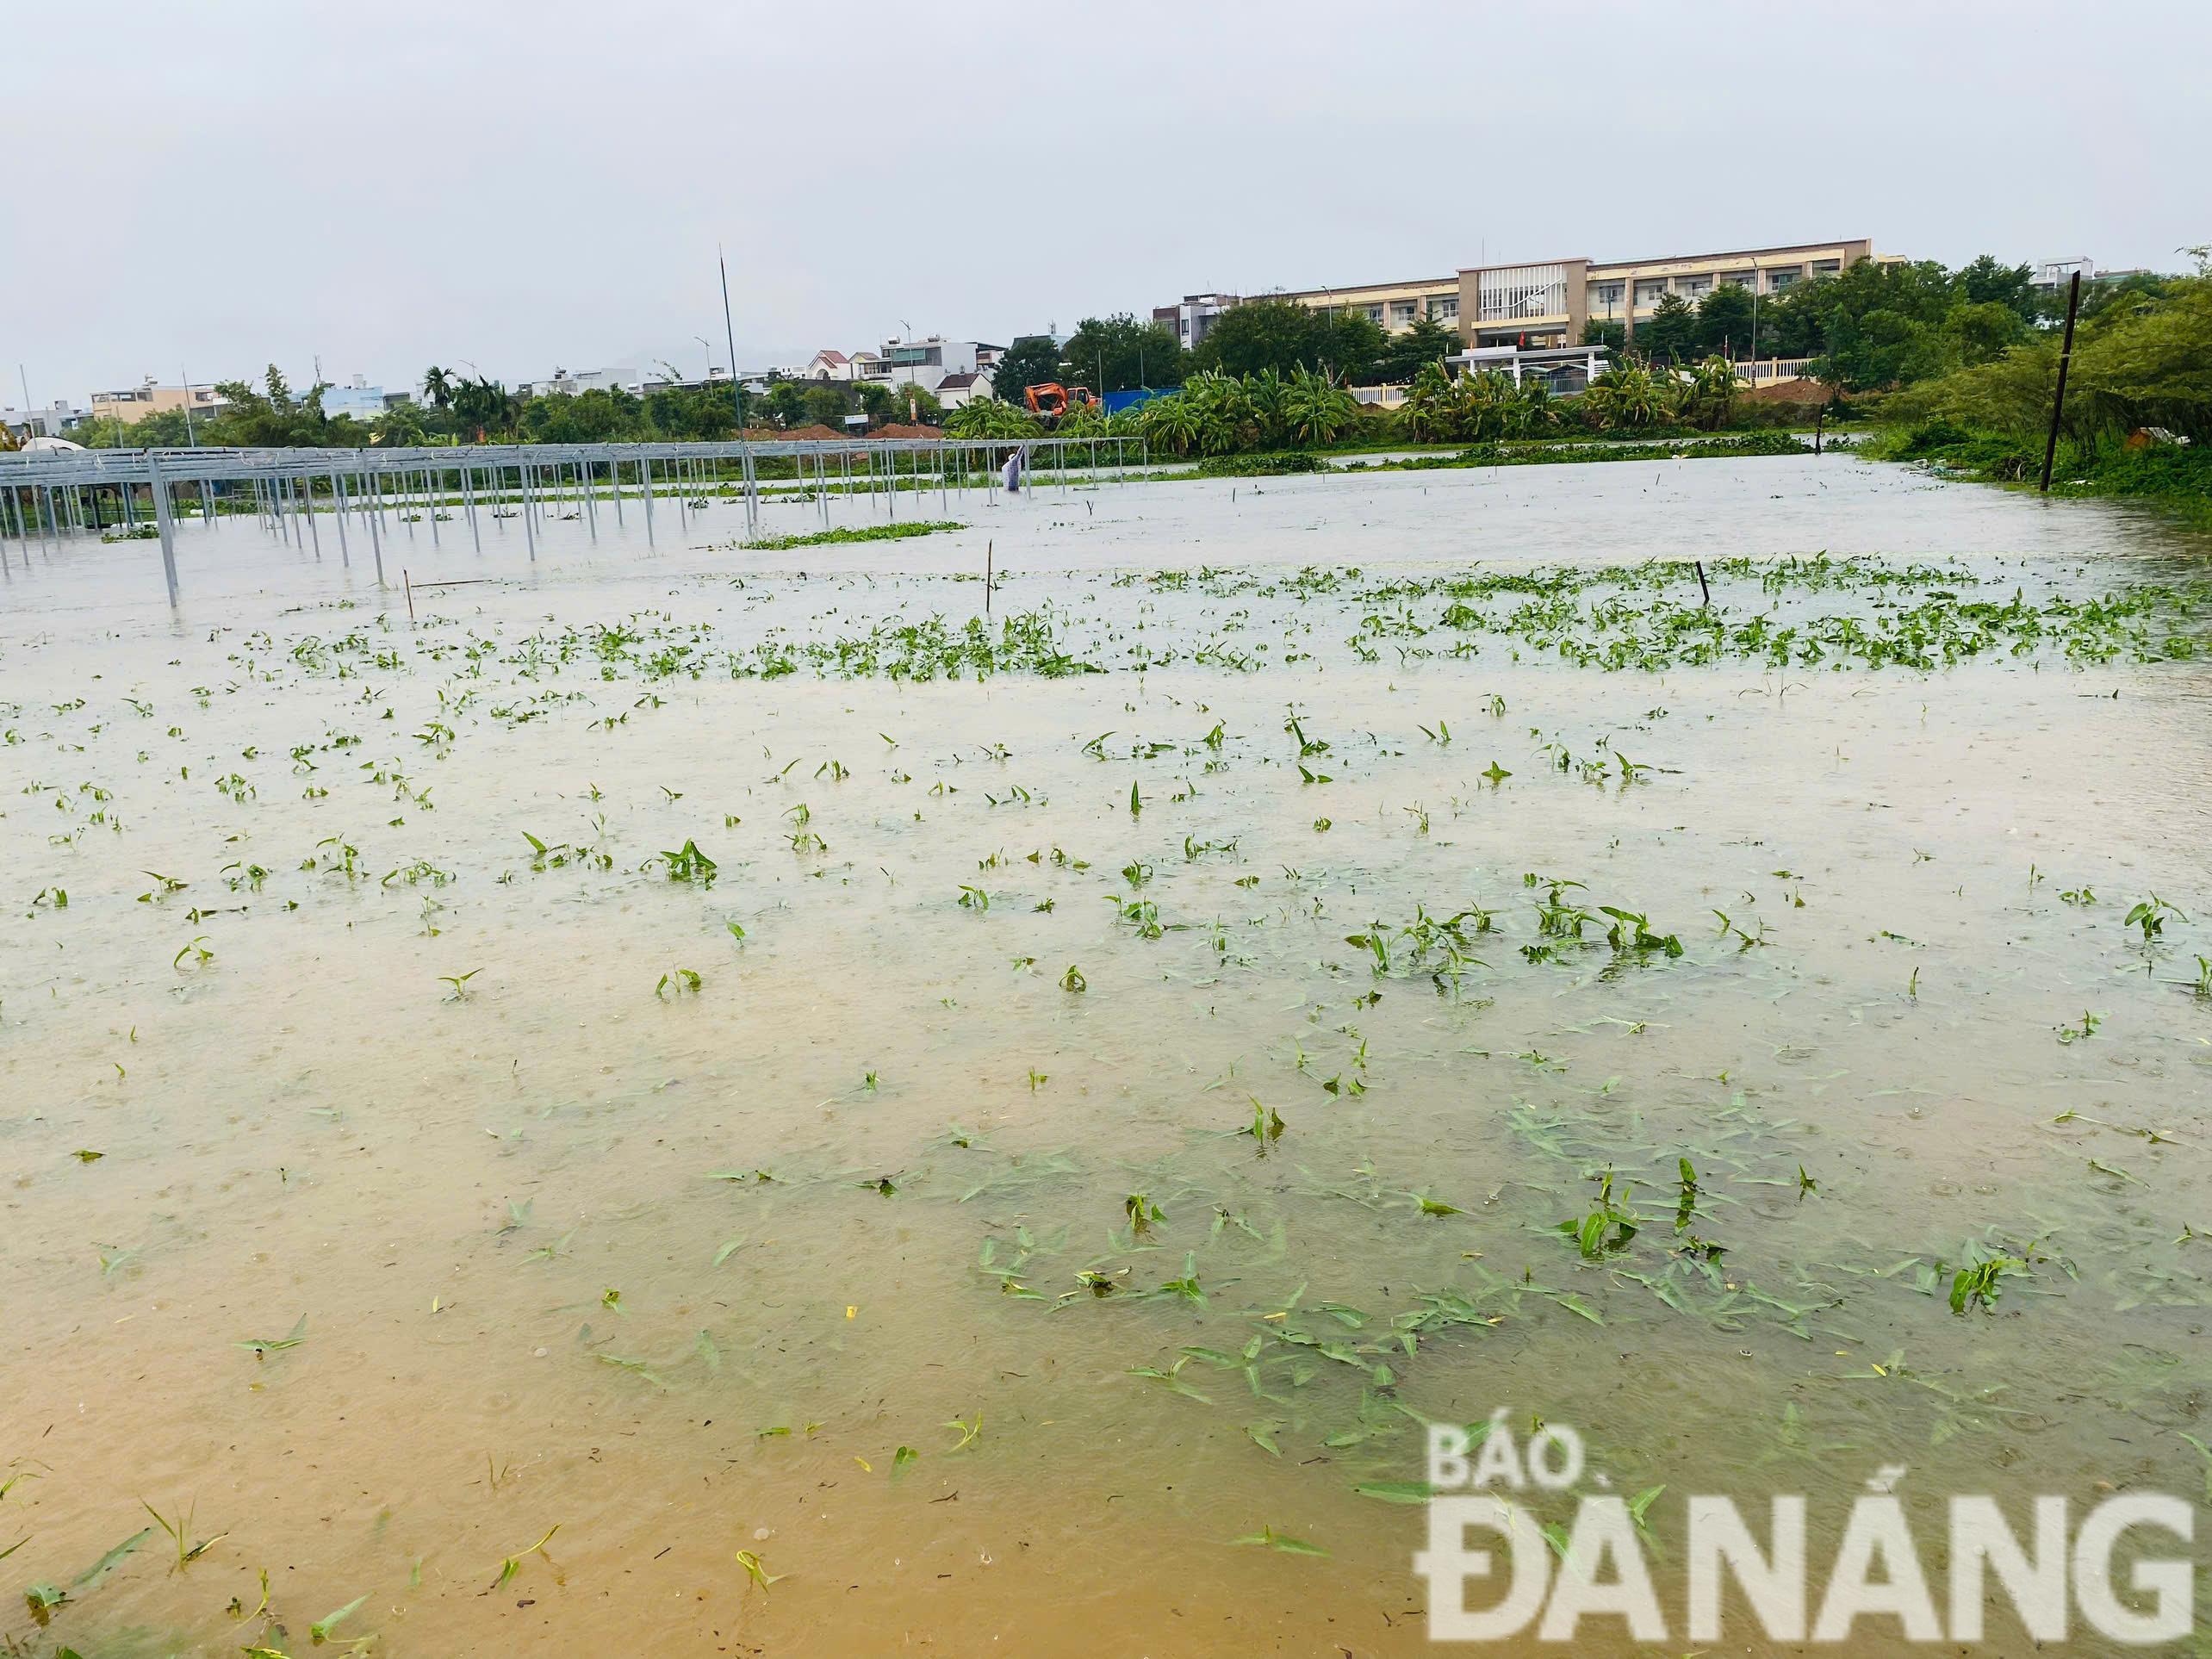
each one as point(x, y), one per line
point(1265, 464)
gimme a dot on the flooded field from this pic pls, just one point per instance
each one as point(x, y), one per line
point(1017, 1127)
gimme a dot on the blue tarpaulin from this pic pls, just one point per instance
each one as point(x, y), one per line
point(1117, 401)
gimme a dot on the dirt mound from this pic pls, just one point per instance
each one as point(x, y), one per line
point(1789, 391)
point(893, 429)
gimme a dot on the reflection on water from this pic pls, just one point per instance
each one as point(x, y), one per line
point(372, 994)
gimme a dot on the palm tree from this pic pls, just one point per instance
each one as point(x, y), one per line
point(437, 386)
point(1429, 411)
point(1172, 422)
point(1709, 393)
point(1224, 412)
point(1626, 396)
point(1317, 409)
point(482, 404)
point(1488, 404)
point(1268, 393)
point(1538, 412)
point(988, 417)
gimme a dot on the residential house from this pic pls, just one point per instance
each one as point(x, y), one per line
point(955, 389)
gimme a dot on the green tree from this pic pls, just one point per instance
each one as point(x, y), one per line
point(1350, 345)
point(438, 387)
point(1405, 353)
point(917, 405)
point(599, 416)
point(481, 407)
point(1031, 360)
point(1121, 354)
point(1982, 331)
point(399, 427)
point(786, 402)
point(1984, 281)
point(1708, 397)
point(273, 418)
point(1671, 333)
point(876, 400)
point(1268, 333)
point(1724, 323)
point(825, 405)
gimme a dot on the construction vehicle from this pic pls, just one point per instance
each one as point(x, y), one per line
point(1051, 400)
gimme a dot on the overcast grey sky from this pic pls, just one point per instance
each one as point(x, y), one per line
point(523, 184)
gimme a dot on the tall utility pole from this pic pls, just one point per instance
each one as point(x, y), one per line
point(2065, 360)
point(190, 441)
point(737, 393)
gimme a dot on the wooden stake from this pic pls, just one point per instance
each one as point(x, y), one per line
point(986, 578)
point(410, 588)
point(1702, 589)
point(2059, 400)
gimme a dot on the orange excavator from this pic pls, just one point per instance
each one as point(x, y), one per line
point(1051, 400)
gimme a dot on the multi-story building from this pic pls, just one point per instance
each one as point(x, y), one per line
point(1549, 303)
point(148, 398)
point(55, 419)
point(924, 362)
point(564, 383)
point(1190, 318)
point(2053, 275)
point(359, 399)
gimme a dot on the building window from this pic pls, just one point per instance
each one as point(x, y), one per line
point(1607, 295)
point(1694, 287)
point(1444, 308)
point(1779, 280)
point(1402, 313)
point(1374, 313)
point(1649, 290)
point(1827, 267)
point(1740, 278)
point(1507, 293)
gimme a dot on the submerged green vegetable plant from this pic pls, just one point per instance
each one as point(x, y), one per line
point(179, 1531)
point(757, 1571)
point(1606, 1230)
point(1268, 1538)
point(513, 1564)
point(1977, 1286)
point(2150, 915)
point(687, 863)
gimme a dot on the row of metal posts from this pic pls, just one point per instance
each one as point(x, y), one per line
point(284, 501)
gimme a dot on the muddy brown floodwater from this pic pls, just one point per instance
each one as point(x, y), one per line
point(666, 1055)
